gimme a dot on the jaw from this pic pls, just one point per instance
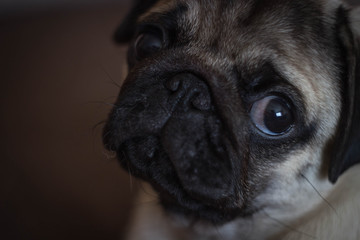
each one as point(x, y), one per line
point(278, 208)
point(264, 224)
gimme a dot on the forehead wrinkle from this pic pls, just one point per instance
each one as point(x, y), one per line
point(215, 18)
point(190, 20)
point(211, 28)
point(230, 35)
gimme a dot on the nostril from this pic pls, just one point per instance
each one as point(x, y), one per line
point(139, 107)
point(173, 84)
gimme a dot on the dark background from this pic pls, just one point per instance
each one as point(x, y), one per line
point(58, 69)
point(59, 72)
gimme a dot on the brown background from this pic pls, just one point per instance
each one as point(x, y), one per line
point(59, 72)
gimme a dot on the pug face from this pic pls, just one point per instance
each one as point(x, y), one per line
point(231, 108)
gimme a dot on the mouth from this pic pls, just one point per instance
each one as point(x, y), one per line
point(145, 158)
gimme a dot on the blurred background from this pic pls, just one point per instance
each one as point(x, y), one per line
point(59, 75)
point(59, 71)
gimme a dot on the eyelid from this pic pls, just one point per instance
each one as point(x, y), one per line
point(149, 28)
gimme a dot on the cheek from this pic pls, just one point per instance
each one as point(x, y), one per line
point(306, 162)
point(296, 163)
point(286, 171)
point(299, 182)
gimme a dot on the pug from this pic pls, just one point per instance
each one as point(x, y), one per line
point(243, 118)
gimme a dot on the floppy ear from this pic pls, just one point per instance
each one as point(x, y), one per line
point(126, 30)
point(346, 150)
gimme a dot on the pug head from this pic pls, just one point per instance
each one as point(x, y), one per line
point(232, 107)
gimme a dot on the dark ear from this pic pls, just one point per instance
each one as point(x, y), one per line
point(126, 30)
point(346, 150)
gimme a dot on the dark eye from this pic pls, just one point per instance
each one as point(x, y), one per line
point(147, 44)
point(272, 115)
